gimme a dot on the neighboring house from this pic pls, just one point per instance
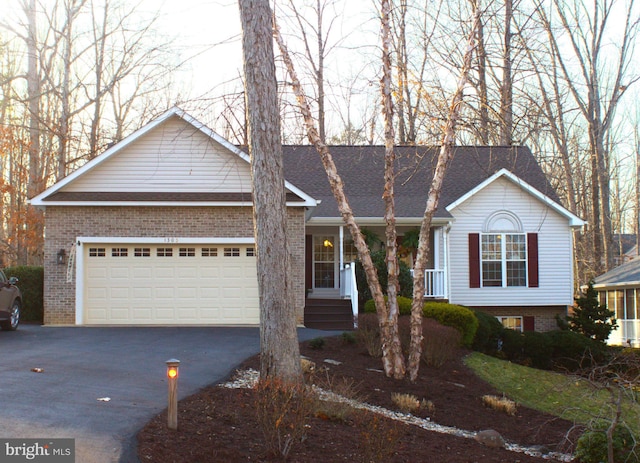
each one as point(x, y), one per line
point(158, 230)
point(625, 247)
point(619, 289)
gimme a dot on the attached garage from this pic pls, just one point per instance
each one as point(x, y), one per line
point(169, 284)
point(158, 230)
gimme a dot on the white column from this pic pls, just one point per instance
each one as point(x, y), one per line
point(341, 258)
point(436, 248)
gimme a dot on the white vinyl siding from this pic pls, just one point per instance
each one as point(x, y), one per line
point(173, 157)
point(554, 248)
point(169, 285)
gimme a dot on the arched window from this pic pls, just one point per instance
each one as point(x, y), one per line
point(502, 221)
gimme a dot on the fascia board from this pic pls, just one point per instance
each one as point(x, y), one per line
point(162, 203)
point(161, 240)
point(369, 221)
point(614, 285)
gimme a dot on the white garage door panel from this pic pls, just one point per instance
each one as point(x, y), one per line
point(170, 284)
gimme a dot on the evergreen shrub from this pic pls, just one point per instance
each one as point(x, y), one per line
point(31, 284)
point(488, 334)
point(456, 316)
point(404, 305)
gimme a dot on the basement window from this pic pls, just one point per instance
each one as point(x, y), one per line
point(511, 322)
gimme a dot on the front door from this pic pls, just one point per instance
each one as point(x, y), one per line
point(324, 262)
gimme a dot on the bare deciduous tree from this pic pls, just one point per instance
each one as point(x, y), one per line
point(392, 357)
point(279, 351)
point(601, 79)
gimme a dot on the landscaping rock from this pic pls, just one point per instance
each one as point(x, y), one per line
point(490, 438)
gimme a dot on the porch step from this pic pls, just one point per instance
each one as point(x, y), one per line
point(328, 314)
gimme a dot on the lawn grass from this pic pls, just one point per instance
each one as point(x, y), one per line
point(561, 395)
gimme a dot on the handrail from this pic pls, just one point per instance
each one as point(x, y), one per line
point(349, 288)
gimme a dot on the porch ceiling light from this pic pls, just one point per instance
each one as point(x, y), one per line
point(328, 244)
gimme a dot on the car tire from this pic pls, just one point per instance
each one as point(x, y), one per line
point(14, 319)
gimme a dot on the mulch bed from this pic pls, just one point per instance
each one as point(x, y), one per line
point(219, 424)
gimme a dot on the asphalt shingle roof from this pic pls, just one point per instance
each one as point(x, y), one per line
point(362, 167)
point(628, 272)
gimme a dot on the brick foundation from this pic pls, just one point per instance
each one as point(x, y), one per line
point(544, 315)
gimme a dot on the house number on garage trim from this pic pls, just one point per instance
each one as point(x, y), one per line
point(171, 240)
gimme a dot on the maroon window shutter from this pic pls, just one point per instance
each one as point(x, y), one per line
point(528, 323)
point(474, 260)
point(532, 259)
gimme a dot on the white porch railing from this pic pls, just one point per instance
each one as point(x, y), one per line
point(434, 284)
point(349, 288)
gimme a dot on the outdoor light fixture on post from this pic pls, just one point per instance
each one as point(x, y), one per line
point(172, 409)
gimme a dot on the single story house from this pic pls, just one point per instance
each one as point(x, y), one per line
point(619, 289)
point(158, 230)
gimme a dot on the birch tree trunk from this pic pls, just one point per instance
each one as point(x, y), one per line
point(444, 158)
point(392, 361)
point(279, 351)
point(389, 322)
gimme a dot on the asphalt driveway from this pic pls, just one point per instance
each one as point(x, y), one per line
point(127, 365)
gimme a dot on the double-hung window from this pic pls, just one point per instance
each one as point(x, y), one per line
point(504, 259)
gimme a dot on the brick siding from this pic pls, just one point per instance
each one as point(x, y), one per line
point(544, 315)
point(65, 224)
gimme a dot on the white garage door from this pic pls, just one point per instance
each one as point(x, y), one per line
point(162, 284)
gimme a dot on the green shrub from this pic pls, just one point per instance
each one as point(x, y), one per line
point(573, 351)
point(348, 337)
point(379, 261)
point(317, 343)
point(559, 350)
point(592, 446)
point(457, 316)
point(488, 334)
point(404, 305)
point(31, 284)
point(529, 348)
point(512, 345)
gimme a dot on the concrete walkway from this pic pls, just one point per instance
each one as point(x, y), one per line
point(127, 365)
